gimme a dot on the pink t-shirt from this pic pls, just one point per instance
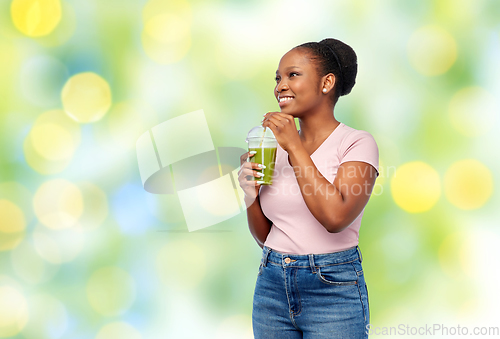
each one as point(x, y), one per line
point(295, 230)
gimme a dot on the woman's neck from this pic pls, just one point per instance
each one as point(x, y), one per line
point(314, 128)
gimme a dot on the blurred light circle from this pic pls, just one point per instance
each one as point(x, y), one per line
point(415, 187)
point(86, 97)
point(30, 266)
point(473, 111)
point(58, 204)
point(51, 143)
point(111, 291)
point(13, 311)
point(432, 50)
point(118, 330)
point(64, 30)
point(160, 27)
point(182, 274)
point(237, 326)
point(456, 256)
point(39, 163)
point(468, 184)
point(130, 209)
point(466, 16)
point(166, 37)
point(48, 318)
point(19, 195)
point(95, 204)
point(12, 225)
point(58, 246)
point(11, 217)
point(41, 80)
point(36, 17)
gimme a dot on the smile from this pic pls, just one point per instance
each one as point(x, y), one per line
point(285, 99)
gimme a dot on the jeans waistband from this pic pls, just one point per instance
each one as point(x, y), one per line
point(310, 260)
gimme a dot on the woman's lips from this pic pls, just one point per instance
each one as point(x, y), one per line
point(285, 102)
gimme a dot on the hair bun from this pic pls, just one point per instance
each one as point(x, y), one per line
point(347, 60)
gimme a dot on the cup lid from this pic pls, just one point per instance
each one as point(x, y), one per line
point(258, 132)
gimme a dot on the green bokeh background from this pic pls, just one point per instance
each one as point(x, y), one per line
point(437, 266)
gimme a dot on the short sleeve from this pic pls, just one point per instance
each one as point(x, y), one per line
point(360, 146)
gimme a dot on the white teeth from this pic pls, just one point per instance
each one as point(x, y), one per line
point(285, 98)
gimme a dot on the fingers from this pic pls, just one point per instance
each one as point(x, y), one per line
point(248, 178)
point(245, 157)
point(278, 122)
point(278, 114)
point(278, 119)
point(250, 169)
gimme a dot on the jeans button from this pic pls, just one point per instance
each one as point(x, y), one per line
point(287, 260)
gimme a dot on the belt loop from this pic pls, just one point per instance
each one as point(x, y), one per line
point(359, 253)
point(311, 263)
point(267, 250)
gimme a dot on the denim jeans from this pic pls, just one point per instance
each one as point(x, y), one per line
point(310, 296)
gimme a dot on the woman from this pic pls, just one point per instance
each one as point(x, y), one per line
point(310, 282)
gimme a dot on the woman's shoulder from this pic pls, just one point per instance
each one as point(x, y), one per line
point(350, 134)
point(356, 139)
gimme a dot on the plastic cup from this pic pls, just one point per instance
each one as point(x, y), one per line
point(262, 141)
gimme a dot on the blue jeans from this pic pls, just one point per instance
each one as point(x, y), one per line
point(310, 296)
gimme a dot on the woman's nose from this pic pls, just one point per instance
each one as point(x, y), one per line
point(281, 86)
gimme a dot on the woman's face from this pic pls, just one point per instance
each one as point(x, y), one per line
point(297, 84)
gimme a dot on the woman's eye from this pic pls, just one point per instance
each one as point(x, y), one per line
point(291, 74)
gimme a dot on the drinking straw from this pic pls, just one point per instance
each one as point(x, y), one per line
point(262, 138)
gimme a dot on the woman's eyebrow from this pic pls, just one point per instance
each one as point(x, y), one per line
point(290, 67)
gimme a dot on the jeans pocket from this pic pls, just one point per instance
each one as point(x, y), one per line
point(338, 275)
point(358, 268)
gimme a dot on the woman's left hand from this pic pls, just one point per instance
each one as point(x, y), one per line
point(284, 129)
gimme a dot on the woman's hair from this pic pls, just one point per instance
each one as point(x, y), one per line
point(334, 56)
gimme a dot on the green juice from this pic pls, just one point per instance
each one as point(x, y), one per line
point(265, 156)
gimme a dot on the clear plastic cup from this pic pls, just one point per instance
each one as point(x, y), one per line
point(262, 141)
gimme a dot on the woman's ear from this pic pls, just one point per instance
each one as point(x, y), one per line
point(328, 82)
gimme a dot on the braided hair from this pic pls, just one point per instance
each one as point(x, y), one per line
point(334, 56)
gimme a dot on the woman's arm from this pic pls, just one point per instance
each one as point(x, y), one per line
point(335, 205)
point(258, 223)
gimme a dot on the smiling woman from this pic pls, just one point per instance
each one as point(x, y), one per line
point(310, 281)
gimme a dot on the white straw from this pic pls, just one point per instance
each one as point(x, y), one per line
point(262, 139)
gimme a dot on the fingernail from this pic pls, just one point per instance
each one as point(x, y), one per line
point(260, 182)
point(261, 166)
point(260, 174)
point(252, 152)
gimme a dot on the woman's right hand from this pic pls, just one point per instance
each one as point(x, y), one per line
point(247, 171)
